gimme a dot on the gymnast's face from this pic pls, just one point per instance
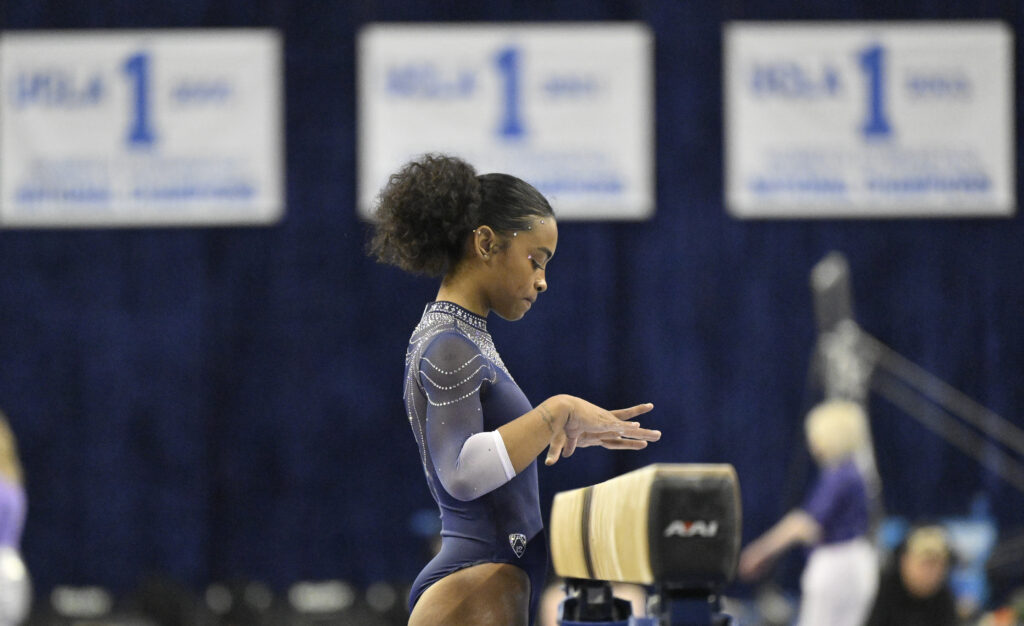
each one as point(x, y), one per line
point(519, 266)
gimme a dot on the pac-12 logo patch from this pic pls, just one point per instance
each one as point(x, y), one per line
point(518, 543)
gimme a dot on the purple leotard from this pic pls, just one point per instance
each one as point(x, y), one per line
point(12, 513)
point(457, 386)
point(839, 503)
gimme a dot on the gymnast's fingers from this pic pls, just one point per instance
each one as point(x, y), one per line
point(610, 422)
point(555, 448)
point(646, 434)
point(633, 411)
point(620, 443)
point(570, 446)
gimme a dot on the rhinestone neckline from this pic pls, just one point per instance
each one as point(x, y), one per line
point(443, 306)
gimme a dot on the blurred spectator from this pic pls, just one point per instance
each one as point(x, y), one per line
point(840, 578)
point(914, 590)
point(15, 589)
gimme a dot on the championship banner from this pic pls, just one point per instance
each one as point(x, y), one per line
point(566, 107)
point(886, 119)
point(141, 128)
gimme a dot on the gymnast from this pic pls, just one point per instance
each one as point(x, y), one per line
point(840, 577)
point(489, 238)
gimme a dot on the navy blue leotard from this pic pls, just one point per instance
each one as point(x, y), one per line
point(455, 387)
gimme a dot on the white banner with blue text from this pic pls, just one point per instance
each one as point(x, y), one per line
point(567, 107)
point(869, 119)
point(141, 128)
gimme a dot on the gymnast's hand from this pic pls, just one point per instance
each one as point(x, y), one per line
point(755, 560)
point(590, 425)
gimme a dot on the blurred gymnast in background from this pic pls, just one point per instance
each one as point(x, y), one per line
point(15, 590)
point(840, 578)
point(490, 239)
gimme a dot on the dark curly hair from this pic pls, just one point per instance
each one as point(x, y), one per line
point(429, 207)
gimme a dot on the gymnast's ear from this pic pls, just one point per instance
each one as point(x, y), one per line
point(484, 242)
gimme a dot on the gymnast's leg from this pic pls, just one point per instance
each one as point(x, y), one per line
point(495, 594)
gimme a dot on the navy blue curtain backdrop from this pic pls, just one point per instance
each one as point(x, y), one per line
point(221, 402)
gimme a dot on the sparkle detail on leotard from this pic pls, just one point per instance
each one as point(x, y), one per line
point(454, 371)
point(458, 384)
point(457, 312)
point(455, 400)
point(439, 317)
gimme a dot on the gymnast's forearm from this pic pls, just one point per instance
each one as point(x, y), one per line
point(529, 434)
point(797, 527)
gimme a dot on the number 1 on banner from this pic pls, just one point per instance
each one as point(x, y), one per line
point(872, 61)
point(140, 133)
point(508, 64)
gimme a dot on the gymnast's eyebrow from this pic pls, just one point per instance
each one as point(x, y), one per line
point(547, 252)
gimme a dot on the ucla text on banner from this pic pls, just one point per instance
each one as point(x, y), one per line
point(869, 119)
point(567, 107)
point(141, 128)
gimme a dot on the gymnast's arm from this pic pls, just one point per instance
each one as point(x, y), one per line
point(801, 526)
point(563, 422)
point(797, 527)
point(470, 462)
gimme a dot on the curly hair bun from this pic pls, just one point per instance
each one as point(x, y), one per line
point(424, 214)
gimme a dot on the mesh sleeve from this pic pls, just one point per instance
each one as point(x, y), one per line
point(453, 373)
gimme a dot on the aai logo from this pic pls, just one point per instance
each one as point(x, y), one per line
point(695, 528)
